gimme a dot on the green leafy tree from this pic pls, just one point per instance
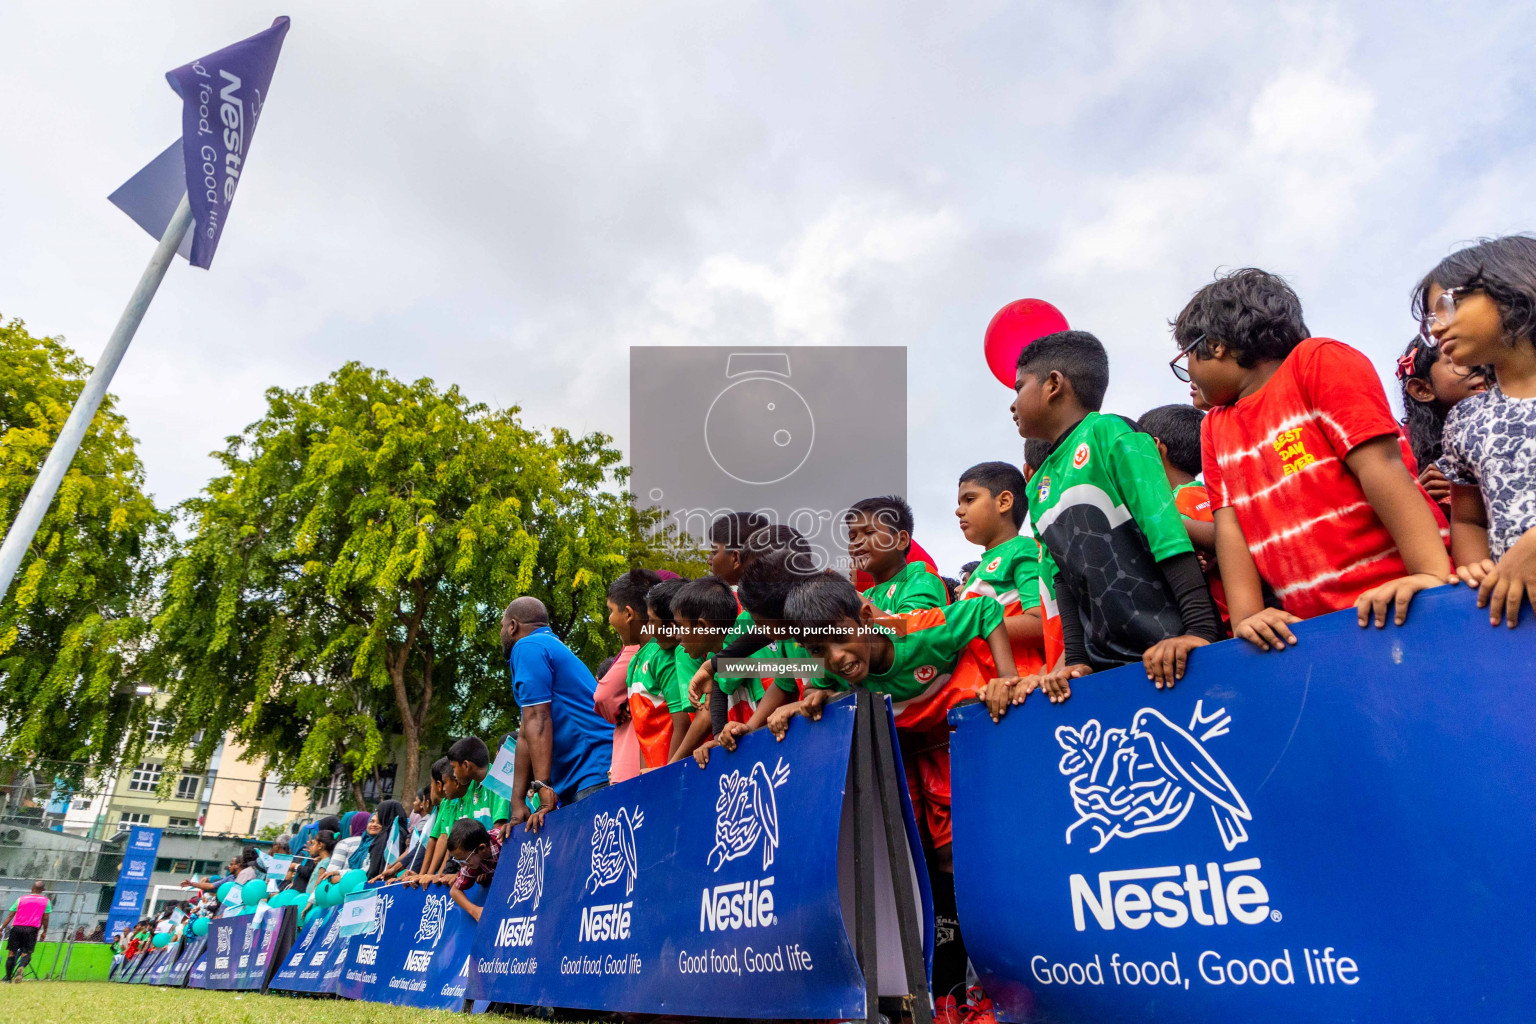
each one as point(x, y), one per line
point(73, 623)
point(345, 576)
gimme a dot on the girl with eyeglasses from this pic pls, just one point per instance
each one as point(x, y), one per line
point(1479, 308)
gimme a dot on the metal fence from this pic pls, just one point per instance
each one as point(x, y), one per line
point(78, 856)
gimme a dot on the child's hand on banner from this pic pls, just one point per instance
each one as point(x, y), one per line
point(1058, 685)
point(1165, 660)
point(728, 735)
point(997, 695)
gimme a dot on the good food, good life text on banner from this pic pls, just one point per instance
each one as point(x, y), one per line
point(1336, 832)
point(703, 892)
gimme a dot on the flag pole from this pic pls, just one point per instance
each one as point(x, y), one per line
point(40, 496)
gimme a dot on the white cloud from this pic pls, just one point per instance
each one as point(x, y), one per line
point(507, 197)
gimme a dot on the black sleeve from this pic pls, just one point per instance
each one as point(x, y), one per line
point(743, 646)
point(1186, 581)
point(718, 708)
point(1071, 622)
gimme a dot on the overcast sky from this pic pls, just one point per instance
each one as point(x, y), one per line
point(507, 196)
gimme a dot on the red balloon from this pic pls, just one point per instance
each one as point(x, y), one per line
point(1015, 326)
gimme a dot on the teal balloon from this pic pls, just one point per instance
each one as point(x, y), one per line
point(224, 891)
point(200, 926)
point(253, 892)
point(353, 881)
point(310, 915)
point(161, 939)
point(327, 894)
point(282, 899)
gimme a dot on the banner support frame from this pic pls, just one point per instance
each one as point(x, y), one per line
point(902, 869)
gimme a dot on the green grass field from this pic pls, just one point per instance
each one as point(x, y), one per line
point(84, 1002)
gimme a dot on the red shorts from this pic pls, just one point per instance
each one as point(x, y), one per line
point(925, 756)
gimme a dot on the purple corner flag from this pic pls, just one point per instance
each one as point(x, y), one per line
point(222, 96)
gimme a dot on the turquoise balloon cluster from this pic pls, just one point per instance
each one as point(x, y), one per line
point(200, 926)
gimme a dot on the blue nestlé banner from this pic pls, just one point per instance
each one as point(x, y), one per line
point(701, 892)
point(191, 951)
point(416, 953)
point(241, 949)
point(305, 965)
point(1337, 832)
point(139, 853)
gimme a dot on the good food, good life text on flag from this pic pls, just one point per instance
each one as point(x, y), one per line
point(222, 98)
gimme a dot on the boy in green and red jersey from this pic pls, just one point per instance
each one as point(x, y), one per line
point(879, 540)
point(991, 509)
point(1175, 429)
point(765, 584)
point(731, 551)
point(651, 678)
point(927, 663)
point(705, 612)
point(1127, 580)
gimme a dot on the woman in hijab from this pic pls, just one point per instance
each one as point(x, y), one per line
point(360, 821)
point(381, 845)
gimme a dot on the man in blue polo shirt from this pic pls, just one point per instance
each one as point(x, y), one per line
point(563, 745)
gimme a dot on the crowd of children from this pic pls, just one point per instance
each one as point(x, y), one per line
point(1285, 489)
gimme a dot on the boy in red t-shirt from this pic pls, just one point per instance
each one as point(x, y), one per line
point(1314, 488)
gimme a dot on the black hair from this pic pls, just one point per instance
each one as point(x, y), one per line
point(733, 529)
point(326, 839)
point(952, 587)
point(889, 510)
point(471, 749)
point(707, 599)
point(629, 590)
point(467, 834)
point(998, 477)
point(606, 664)
point(1178, 427)
point(424, 793)
point(968, 568)
point(1076, 355)
point(659, 599)
point(1252, 312)
point(822, 602)
point(440, 768)
point(778, 537)
point(1504, 268)
point(767, 581)
point(1423, 421)
point(1036, 451)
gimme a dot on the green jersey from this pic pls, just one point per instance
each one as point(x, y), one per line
point(730, 684)
point(646, 671)
point(1010, 573)
point(935, 639)
point(754, 684)
point(487, 807)
point(448, 812)
point(911, 589)
point(683, 668)
point(1102, 509)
